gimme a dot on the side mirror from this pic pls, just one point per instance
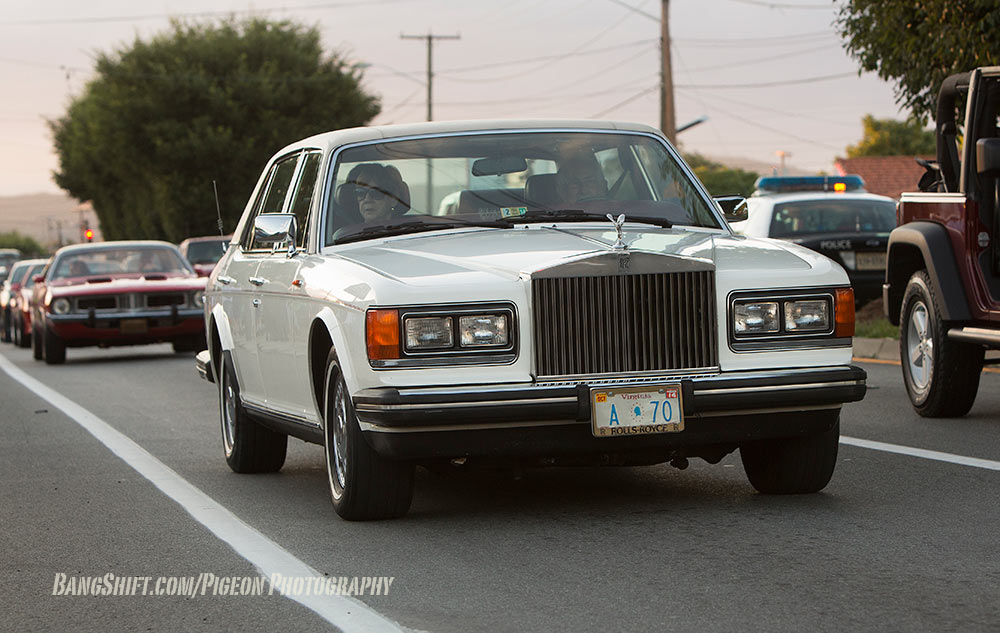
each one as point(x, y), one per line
point(733, 207)
point(988, 157)
point(38, 279)
point(275, 228)
point(14, 287)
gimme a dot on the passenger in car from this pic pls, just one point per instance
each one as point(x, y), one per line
point(580, 178)
point(376, 191)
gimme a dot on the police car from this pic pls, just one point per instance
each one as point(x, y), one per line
point(831, 215)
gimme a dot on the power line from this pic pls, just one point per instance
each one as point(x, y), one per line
point(194, 14)
point(782, 5)
point(769, 84)
point(756, 60)
point(636, 10)
point(638, 95)
point(577, 52)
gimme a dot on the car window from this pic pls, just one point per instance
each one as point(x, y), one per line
point(119, 261)
point(491, 177)
point(29, 279)
point(805, 217)
point(272, 200)
point(302, 198)
point(207, 251)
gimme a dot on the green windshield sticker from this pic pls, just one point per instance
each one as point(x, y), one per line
point(507, 212)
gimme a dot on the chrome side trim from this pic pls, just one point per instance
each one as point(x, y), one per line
point(817, 385)
point(367, 426)
point(470, 403)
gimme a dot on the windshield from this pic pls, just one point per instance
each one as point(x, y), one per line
point(497, 179)
point(29, 279)
point(119, 261)
point(806, 217)
point(206, 252)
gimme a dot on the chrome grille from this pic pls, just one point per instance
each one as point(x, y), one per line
point(617, 324)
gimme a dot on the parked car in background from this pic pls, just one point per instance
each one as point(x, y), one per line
point(583, 302)
point(7, 258)
point(116, 293)
point(21, 302)
point(832, 215)
point(204, 252)
point(11, 284)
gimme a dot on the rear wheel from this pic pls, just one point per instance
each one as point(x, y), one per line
point(36, 344)
point(249, 446)
point(941, 375)
point(5, 333)
point(54, 349)
point(21, 334)
point(792, 465)
point(363, 484)
point(189, 344)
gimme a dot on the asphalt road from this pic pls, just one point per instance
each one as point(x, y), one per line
point(896, 542)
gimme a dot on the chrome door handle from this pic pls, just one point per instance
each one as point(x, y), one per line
point(258, 281)
point(256, 303)
point(223, 279)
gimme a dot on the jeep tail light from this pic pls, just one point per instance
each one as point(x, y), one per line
point(382, 334)
point(844, 312)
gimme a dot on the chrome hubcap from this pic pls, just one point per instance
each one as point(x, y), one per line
point(339, 435)
point(919, 346)
point(228, 412)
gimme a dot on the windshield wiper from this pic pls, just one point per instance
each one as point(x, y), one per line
point(560, 215)
point(413, 226)
point(578, 215)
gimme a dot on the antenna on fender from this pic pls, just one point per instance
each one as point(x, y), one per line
point(218, 209)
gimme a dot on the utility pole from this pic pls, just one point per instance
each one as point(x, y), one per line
point(430, 97)
point(668, 122)
point(430, 65)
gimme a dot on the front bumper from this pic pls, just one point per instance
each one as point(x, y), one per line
point(109, 328)
point(723, 409)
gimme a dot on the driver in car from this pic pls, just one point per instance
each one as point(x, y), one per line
point(580, 179)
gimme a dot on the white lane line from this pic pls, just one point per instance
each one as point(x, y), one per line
point(344, 612)
point(951, 458)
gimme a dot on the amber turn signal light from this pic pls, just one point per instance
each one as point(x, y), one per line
point(382, 334)
point(844, 312)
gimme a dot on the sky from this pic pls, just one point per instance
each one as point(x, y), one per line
point(772, 77)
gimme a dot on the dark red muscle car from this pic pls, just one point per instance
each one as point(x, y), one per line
point(116, 293)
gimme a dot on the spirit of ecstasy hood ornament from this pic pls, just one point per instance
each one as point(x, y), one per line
point(619, 244)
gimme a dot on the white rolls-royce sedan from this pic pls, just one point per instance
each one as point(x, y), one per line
point(544, 292)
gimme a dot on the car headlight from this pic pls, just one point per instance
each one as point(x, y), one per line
point(803, 318)
point(811, 315)
point(483, 330)
point(437, 336)
point(427, 333)
point(198, 299)
point(60, 306)
point(755, 317)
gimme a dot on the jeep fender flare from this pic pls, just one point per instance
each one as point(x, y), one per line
point(923, 245)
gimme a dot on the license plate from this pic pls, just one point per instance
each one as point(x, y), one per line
point(870, 261)
point(636, 410)
point(133, 326)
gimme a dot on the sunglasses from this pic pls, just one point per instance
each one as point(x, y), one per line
point(361, 192)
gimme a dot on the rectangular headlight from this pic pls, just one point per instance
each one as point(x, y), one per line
point(429, 333)
point(812, 315)
point(483, 330)
point(755, 317)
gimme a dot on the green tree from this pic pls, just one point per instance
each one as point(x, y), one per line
point(885, 137)
point(165, 118)
point(28, 246)
point(917, 43)
point(719, 179)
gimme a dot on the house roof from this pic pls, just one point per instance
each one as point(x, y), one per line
point(885, 175)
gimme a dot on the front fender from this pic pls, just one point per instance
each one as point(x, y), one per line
point(923, 245)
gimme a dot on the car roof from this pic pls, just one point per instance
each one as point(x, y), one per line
point(97, 246)
point(776, 198)
point(403, 130)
